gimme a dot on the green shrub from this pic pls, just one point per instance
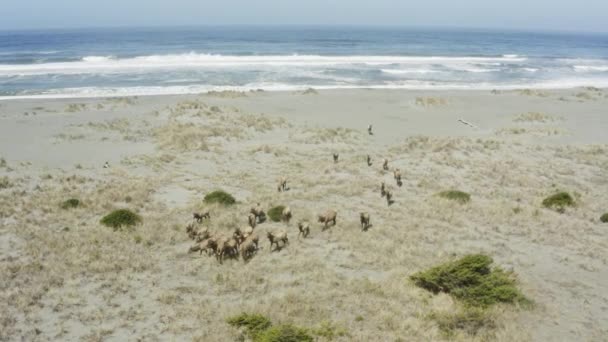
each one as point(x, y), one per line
point(220, 197)
point(71, 203)
point(276, 213)
point(284, 333)
point(260, 329)
point(558, 201)
point(471, 280)
point(253, 324)
point(120, 218)
point(469, 320)
point(604, 218)
point(456, 195)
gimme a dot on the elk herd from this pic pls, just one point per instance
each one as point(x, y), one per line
point(244, 242)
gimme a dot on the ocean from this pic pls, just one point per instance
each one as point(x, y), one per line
point(148, 61)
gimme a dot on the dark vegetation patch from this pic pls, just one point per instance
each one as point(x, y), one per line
point(219, 197)
point(275, 213)
point(456, 195)
point(121, 218)
point(70, 203)
point(558, 201)
point(471, 280)
point(476, 286)
point(259, 328)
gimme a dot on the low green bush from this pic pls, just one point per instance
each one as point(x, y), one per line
point(253, 324)
point(471, 280)
point(456, 195)
point(558, 201)
point(219, 197)
point(70, 203)
point(284, 333)
point(121, 218)
point(260, 329)
point(604, 218)
point(276, 213)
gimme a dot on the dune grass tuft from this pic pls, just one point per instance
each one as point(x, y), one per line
point(471, 280)
point(558, 201)
point(121, 218)
point(456, 195)
point(604, 218)
point(275, 213)
point(219, 197)
point(469, 320)
point(5, 183)
point(328, 331)
point(70, 203)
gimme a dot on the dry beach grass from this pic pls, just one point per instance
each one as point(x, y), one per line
point(65, 276)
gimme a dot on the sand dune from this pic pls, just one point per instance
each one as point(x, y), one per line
point(64, 276)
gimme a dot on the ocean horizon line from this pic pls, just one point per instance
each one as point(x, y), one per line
point(443, 28)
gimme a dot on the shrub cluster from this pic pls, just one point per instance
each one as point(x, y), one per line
point(275, 213)
point(261, 329)
point(456, 195)
point(120, 218)
point(471, 280)
point(70, 203)
point(219, 197)
point(558, 201)
point(604, 218)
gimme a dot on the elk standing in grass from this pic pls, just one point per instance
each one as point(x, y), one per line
point(259, 213)
point(276, 238)
point(397, 175)
point(389, 197)
point(282, 184)
point(327, 217)
point(286, 215)
point(365, 220)
point(198, 217)
point(304, 228)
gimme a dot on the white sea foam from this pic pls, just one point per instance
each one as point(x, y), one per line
point(95, 92)
point(105, 64)
point(96, 59)
point(408, 71)
point(587, 68)
point(480, 70)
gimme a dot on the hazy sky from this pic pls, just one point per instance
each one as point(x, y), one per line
point(564, 15)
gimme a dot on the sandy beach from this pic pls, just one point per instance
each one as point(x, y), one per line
point(64, 276)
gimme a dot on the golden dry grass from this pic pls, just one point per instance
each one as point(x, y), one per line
point(69, 278)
